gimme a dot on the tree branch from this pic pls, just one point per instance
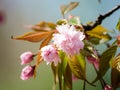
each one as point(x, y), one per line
point(100, 18)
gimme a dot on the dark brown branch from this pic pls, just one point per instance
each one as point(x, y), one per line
point(100, 19)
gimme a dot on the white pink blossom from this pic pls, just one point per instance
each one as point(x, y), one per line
point(69, 39)
point(27, 72)
point(50, 54)
point(26, 57)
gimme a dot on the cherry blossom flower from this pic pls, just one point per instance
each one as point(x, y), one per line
point(50, 54)
point(27, 72)
point(26, 57)
point(69, 39)
point(107, 87)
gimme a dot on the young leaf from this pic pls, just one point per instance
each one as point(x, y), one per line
point(39, 59)
point(33, 36)
point(74, 21)
point(42, 26)
point(46, 40)
point(67, 8)
point(115, 73)
point(94, 40)
point(118, 25)
point(62, 21)
point(77, 65)
point(99, 32)
point(61, 68)
point(55, 73)
point(68, 78)
point(105, 60)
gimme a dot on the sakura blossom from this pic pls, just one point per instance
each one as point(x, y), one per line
point(26, 57)
point(69, 39)
point(27, 72)
point(50, 54)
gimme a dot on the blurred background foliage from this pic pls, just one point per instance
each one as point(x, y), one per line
point(17, 14)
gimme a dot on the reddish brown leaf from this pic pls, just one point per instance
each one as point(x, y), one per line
point(33, 36)
point(46, 41)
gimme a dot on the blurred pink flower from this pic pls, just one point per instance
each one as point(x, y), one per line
point(2, 17)
point(50, 54)
point(27, 72)
point(74, 78)
point(26, 57)
point(107, 87)
point(69, 39)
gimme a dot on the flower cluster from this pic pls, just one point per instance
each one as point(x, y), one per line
point(69, 46)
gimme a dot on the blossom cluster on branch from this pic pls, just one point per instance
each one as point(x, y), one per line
point(69, 46)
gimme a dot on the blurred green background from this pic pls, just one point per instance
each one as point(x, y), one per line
point(29, 12)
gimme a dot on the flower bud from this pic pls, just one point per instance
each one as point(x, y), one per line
point(26, 57)
point(107, 87)
point(27, 72)
point(93, 61)
point(118, 40)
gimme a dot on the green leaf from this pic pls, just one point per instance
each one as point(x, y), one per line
point(61, 68)
point(105, 61)
point(78, 66)
point(62, 21)
point(94, 40)
point(74, 21)
point(115, 74)
point(54, 69)
point(118, 25)
point(99, 32)
point(67, 8)
point(68, 78)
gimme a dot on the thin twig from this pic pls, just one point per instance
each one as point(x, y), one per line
point(100, 18)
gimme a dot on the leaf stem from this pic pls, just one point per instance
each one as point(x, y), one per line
point(102, 81)
point(84, 85)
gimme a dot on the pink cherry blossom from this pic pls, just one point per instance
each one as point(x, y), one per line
point(69, 39)
point(27, 72)
point(50, 54)
point(26, 57)
point(107, 87)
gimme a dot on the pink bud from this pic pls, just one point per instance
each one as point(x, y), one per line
point(27, 72)
point(107, 87)
point(93, 61)
point(118, 40)
point(26, 57)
